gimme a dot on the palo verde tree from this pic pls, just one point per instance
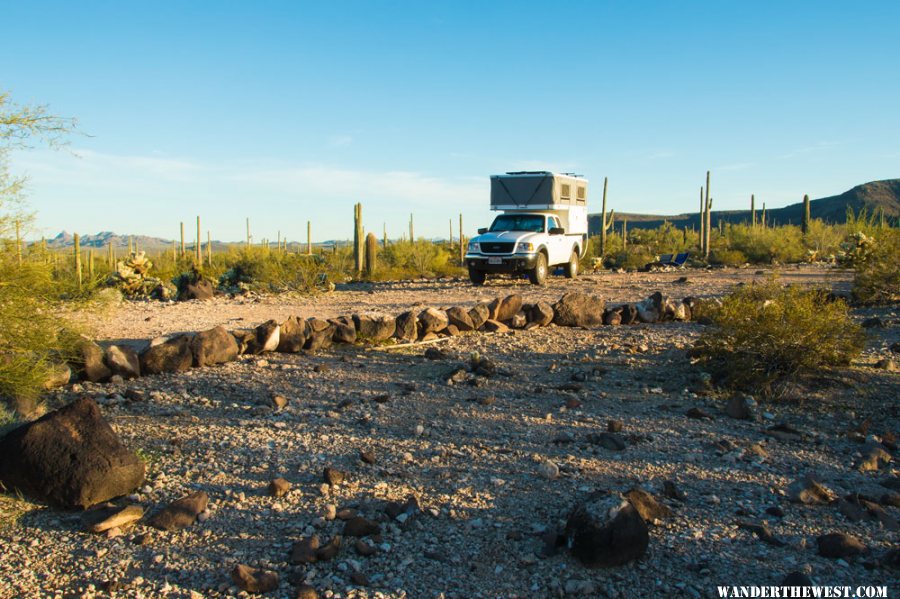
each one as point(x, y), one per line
point(33, 340)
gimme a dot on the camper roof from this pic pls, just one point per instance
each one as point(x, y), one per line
point(539, 174)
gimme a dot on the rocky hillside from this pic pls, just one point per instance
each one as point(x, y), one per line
point(873, 196)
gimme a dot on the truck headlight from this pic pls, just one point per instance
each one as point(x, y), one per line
point(526, 247)
point(474, 246)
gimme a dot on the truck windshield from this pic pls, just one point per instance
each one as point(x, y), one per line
point(519, 222)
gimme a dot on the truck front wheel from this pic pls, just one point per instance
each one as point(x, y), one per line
point(477, 276)
point(571, 269)
point(538, 275)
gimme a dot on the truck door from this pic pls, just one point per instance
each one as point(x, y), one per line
point(556, 244)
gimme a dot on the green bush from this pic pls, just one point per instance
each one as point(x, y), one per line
point(764, 246)
point(420, 258)
point(635, 258)
point(33, 336)
point(764, 334)
point(728, 257)
point(877, 279)
point(261, 269)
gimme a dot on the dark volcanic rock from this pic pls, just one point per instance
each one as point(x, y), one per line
point(541, 313)
point(577, 309)
point(839, 545)
point(374, 327)
point(293, 334)
point(253, 580)
point(407, 327)
point(647, 505)
point(321, 334)
point(432, 320)
point(215, 346)
point(202, 289)
point(123, 361)
point(70, 457)
point(91, 365)
point(167, 355)
point(606, 530)
point(344, 330)
point(180, 513)
point(460, 318)
point(360, 527)
point(479, 314)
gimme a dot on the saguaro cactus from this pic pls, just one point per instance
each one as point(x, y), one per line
point(625, 234)
point(805, 224)
point(358, 237)
point(371, 254)
point(462, 242)
point(606, 225)
point(412, 237)
point(702, 216)
point(763, 217)
point(707, 219)
point(77, 242)
point(752, 210)
point(199, 247)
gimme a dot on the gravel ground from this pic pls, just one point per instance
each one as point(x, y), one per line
point(470, 452)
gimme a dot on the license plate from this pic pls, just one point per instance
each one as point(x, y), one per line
point(495, 260)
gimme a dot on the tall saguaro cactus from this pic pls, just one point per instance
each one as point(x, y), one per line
point(358, 237)
point(707, 219)
point(752, 210)
point(462, 242)
point(412, 237)
point(625, 234)
point(805, 224)
point(371, 254)
point(763, 217)
point(77, 243)
point(607, 222)
point(702, 216)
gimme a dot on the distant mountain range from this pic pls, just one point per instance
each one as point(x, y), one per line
point(146, 243)
point(873, 197)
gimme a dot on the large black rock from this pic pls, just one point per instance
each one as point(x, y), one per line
point(70, 458)
point(606, 530)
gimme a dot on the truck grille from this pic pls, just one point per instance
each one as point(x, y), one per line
point(497, 248)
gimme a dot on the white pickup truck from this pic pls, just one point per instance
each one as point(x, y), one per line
point(544, 224)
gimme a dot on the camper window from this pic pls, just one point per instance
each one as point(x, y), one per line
point(580, 198)
point(565, 192)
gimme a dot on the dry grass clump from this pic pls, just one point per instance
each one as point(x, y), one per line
point(763, 335)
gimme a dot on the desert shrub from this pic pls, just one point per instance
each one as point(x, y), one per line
point(261, 269)
point(823, 241)
point(877, 279)
point(33, 336)
point(767, 245)
point(764, 334)
point(635, 258)
point(420, 258)
point(728, 257)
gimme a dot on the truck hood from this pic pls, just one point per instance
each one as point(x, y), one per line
point(505, 236)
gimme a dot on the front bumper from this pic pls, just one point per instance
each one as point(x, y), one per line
point(507, 263)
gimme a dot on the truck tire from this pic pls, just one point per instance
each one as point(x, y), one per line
point(538, 274)
point(477, 276)
point(571, 269)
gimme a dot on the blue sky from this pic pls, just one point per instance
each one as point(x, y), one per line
point(291, 111)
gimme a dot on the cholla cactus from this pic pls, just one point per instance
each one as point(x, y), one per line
point(131, 277)
point(856, 249)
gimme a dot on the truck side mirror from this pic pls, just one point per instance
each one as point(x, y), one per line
point(557, 231)
point(482, 230)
